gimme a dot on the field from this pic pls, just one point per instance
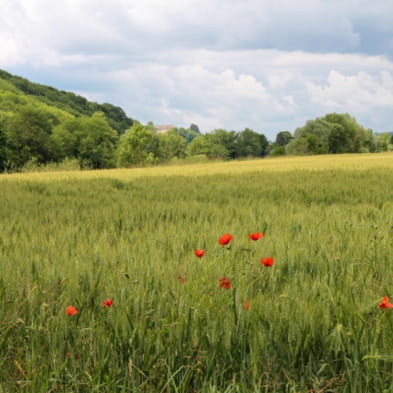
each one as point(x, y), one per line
point(311, 322)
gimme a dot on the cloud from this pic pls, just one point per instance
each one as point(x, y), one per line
point(140, 27)
point(354, 93)
point(268, 65)
point(191, 93)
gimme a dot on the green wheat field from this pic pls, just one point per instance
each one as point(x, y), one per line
point(311, 322)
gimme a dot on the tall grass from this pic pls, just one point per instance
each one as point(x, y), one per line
point(313, 324)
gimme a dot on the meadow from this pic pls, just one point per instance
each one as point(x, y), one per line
point(311, 322)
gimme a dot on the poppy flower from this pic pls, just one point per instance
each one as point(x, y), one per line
point(246, 305)
point(199, 253)
point(256, 236)
point(224, 283)
point(225, 239)
point(107, 303)
point(268, 261)
point(71, 310)
point(385, 303)
point(182, 279)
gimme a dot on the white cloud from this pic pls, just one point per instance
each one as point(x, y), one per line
point(354, 93)
point(264, 64)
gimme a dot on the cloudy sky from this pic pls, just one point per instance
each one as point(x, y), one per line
point(269, 65)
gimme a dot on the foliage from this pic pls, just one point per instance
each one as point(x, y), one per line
point(187, 134)
point(3, 145)
point(251, 144)
point(283, 138)
point(97, 142)
point(333, 133)
point(229, 144)
point(67, 136)
point(194, 128)
point(29, 136)
point(171, 146)
point(65, 126)
point(68, 101)
point(138, 146)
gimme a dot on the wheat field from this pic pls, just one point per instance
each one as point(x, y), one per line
point(311, 322)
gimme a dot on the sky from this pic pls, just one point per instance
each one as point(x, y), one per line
point(269, 65)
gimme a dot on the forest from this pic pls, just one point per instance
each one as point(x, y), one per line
point(40, 125)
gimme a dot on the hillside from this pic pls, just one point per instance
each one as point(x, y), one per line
point(20, 90)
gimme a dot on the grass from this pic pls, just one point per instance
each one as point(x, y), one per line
point(314, 325)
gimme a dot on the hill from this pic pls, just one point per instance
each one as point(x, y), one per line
point(41, 124)
point(69, 102)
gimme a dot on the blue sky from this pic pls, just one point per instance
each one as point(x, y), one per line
point(269, 65)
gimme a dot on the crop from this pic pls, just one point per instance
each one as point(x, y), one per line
point(263, 277)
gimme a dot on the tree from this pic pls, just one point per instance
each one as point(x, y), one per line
point(116, 117)
point(221, 144)
point(138, 146)
point(66, 137)
point(195, 128)
point(339, 139)
point(171, 145)
point(198, 145)
point(28, 134)
point(186, 133)
point(3, 145)
point(283, 138)
point(316, 133)
point(343, 133)
point(97, 142)
point(333, 133)
point(383, 141)
point(298, 146)
point(250, 143)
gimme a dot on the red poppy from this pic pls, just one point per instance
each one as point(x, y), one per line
point(385, 303)
point(68, 354)
point(71, 310)
point(268, 261)
point(107, 302)
point(182, 279)
point(225, 239)
point(225, 283)
point(256, 236)
point(246, 305)
point(199, 253)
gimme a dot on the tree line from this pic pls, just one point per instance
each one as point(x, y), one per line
point(41, 125)
point(33, 134)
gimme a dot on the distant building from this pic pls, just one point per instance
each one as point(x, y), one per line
point(163, 128)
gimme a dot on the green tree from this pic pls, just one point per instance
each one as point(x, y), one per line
point(138, 146)
point(67, 136)
point(195, 128)
point(333, 133)
point(198, 145)
point(283, 138)
point(342, 138)
point(97, 142)
point(28, 134)
point(3, 145)
point(298, 146)
point(250, 143)
point(221, 144)
point(316, 133)
point(277, 150)
point(384, 141)
point(171, 145)
point(186, 133)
